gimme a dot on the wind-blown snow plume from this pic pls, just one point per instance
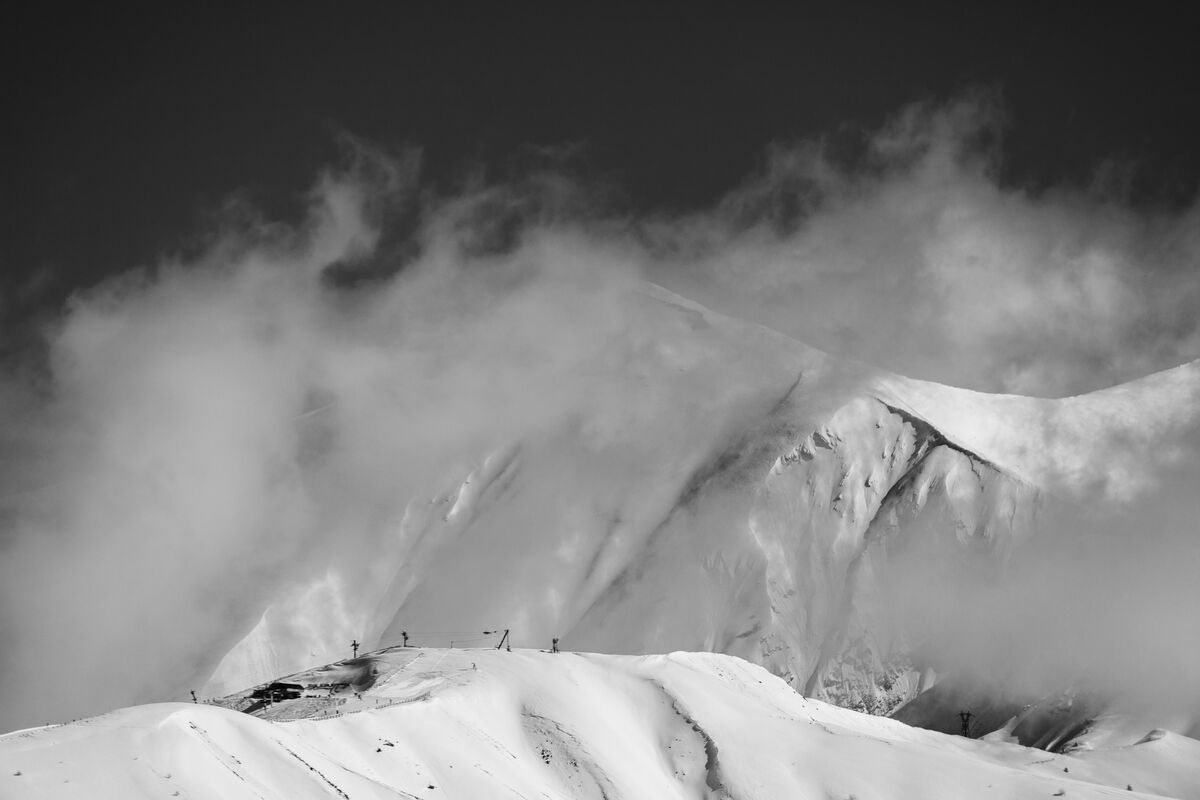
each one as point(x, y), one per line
point(198, 435)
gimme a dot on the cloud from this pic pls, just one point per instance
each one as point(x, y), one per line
point(1100, 600)
point(195, 435)
point(914, 256)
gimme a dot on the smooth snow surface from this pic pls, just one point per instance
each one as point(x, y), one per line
point(428, 723)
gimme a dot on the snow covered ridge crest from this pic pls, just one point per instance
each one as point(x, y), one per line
point(429, 723)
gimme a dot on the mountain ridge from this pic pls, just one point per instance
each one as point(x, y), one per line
point(427, 723)
point(748, 519)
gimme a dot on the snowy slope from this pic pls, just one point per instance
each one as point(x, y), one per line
point(744, 496)
point(433, 723)
point(1108, 440)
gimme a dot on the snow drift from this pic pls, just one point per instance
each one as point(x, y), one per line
point(428, 723)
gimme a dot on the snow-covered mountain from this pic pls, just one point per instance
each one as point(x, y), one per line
point(763, 512)
point(430, 723)
point(736, 492)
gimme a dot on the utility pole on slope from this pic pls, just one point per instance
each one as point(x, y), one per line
point(503, 639)
point(354, 645)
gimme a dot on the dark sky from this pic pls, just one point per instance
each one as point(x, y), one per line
point(123, 129)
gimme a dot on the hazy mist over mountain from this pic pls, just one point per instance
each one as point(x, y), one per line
point(198, 435)
point(863, 351)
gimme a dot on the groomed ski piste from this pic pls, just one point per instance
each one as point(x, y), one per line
point(487, 723)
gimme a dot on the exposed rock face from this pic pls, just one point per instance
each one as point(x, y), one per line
point(872, 482)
